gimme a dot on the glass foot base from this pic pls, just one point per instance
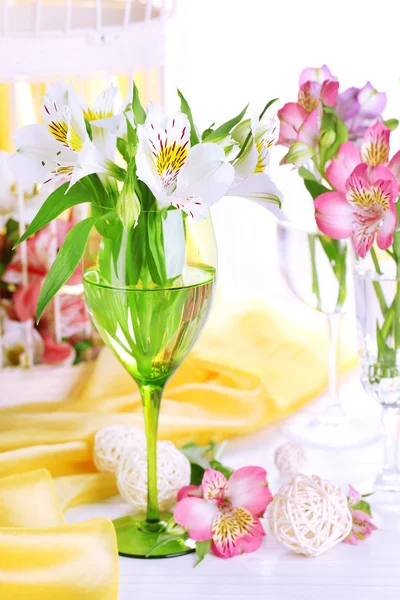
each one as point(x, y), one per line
point(332, 430)
point(136, 541)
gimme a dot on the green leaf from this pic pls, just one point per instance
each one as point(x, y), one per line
point(202, 549)
point(218, 466)
point(66, 262)
point(122, 149)
point(391, 124)
point(207, 132)
point(202, 458)
point(266, 107)
point(331, 122)
point(139, 113)
point(362, 505)
point(306, 174)
point(223, 130)
point(80, 347)
point(185, 108)
point(88, 129)
point(164, 538)
point(315, 188)
point(54, 205)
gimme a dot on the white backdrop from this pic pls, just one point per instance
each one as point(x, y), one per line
point(228, 52)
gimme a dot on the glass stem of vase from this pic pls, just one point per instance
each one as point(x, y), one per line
point(391, 423)
point(334, 322)
point(151, 400)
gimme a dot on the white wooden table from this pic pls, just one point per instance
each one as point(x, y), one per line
point(370, 570)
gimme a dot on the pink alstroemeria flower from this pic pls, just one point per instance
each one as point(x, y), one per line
point(300, 121)
point(362, 518)
point(374, 151)
point(226, 511)
point(365, 209)
point(358, 107)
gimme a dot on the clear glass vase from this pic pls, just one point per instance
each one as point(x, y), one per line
point(377, 292)
point(318, 270)
point(149, 289)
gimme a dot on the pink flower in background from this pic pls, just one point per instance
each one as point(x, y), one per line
point(374, 151)
point(362, 518)
point(226, 511)
point(359, 107)
point(365, 208)
point(56, 353)
point(300, 121)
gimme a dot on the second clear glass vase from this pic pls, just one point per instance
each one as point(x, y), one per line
point(318, 270)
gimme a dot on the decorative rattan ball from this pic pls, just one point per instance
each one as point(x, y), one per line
point(173, 472)
point(290, 458)
point(111, 442)
point(309, 515)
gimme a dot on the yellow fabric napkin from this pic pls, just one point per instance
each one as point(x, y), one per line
point(42, 557)
point(252, 365)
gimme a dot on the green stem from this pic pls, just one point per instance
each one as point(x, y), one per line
point(151, 400)
point(315, 282)
point(377, 287)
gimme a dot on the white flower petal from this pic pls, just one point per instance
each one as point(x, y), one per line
point(205, 173)
point(246, 165)
point(105, 102)
point(39, 156)
point(260, 189)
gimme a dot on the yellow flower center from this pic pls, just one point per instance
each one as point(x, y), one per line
point(92, 115)
point(375, 153)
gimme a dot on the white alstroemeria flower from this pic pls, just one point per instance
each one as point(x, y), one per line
point(251, 180)
point(189, 178)
point(104, 121)
point(57, 148)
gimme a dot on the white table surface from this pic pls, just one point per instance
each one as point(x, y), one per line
point(369, 570)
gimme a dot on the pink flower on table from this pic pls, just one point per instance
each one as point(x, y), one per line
point(359, 107)
point(227, 512)
point(365, 209)
point(362, 518)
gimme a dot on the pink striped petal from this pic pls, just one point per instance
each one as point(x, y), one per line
point(249, 489)
point(375, 147)
point(394, 166)
point(196, 516)
point(190, 490)
point(384, 237)
point(343, 165)
point(291, 117)
point(309, 131)
point(334, 215)
point(347, 105)
point(235, 532)
point(354, 496)
point(214, 486)
point(329, 92)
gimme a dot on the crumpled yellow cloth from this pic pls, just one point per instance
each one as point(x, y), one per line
point(252, 366)
point(44, 558)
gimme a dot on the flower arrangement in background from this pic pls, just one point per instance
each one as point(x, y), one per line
point(327, 133)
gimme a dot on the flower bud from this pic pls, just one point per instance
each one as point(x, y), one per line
point(128, 207)
point(327, 138)
point(298, 154)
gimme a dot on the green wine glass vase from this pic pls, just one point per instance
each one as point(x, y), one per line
point(149, 290)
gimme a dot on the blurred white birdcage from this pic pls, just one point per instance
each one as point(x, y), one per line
point(89, 42)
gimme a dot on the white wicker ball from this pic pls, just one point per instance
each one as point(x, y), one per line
point(309, 515)
point(173, 472)
point(290, 458)
point(111, 442)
